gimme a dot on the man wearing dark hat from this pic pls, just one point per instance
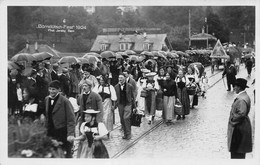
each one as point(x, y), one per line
point(60, 117)
point(231, 72)
point(239, 125)
point(65, 82)
point(125, 104)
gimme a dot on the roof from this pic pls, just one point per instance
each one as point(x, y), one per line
point(158, 41)
point(41, 48)
point(203, 36)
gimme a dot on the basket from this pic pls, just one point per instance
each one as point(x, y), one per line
point(143, 93)
point(178, 108)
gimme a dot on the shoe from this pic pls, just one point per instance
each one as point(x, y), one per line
point(149, 122)
point(228, 90)
point(183, 117)
point(126, 137)
point(179, 117)
point(152, 118)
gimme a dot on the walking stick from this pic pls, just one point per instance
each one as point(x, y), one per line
point(224, 82)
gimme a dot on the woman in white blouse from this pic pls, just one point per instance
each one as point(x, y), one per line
point(108, 95)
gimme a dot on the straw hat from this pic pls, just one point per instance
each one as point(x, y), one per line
point(151, 74)
point(91, 111)
point(145, 70)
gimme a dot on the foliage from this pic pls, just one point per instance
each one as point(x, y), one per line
point(29, 139)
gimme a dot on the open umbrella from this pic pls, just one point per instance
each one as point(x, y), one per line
point(107, 54)
point(119, 56)
point(23, 57)
point(94, 54)
point(159, 54)
point(92, 59)
point(134, 58)
point(123, 54)
point(130, 52)
point(42, 56)
point(83, 60)
point(147, 53)
point(199, 66)
point(69, 60)
point(248, 56)
point(13, 65)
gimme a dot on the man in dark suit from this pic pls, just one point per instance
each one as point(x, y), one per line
point(239, 125)
point(125, 104)
point(54, 74)
point(131, 81)
point(65, 82)
point(90, 100)
point(60, 117)
point(231, 73)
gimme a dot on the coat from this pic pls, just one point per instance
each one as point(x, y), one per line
point(239, 126)
point(94, 101)
point(129, 94)
point(133, 83)
point(231, 74)
point(62, 114)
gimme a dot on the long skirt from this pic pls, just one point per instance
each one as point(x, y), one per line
point(97, 150)
point(108, 114)
point(184, 98)
point(150, 103)
point(168, 104)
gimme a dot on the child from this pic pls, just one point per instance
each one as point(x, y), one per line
point(91, 145)
point(19, 105)
point(204, 84)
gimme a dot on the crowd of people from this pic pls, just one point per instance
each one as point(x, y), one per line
point(78, 102)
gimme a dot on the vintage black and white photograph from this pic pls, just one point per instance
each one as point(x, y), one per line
point(130, 81)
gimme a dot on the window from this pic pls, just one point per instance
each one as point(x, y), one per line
point(147, 46)
point(104, 47)
point(125, 46)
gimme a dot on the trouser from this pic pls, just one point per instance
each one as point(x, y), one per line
point(125, 112)
point(229, 85)
point(168, 107)
point(249, 70)
point(150, 103)
point(235, 155)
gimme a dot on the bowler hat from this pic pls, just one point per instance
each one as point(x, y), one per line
point(241, 83)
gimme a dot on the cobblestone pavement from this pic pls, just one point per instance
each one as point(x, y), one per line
point(201, 135)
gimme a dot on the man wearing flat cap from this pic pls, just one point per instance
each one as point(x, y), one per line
point(239, 125)
point(60, 117)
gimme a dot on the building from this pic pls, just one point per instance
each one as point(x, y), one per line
point(136, 42)
point(202, 40)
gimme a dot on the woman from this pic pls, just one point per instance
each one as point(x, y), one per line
point(141, 100)
point(91, 145)
point(151, 86)
point(191, 85)
point(30, 108)
point(182, 94)
point(159, 97)
point(108, 95)
point(169, 91)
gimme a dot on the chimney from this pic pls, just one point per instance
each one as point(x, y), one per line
point(120, 35)
point(203, 29)
point(27, 44)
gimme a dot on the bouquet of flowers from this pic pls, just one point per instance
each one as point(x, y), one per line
point(30, 140)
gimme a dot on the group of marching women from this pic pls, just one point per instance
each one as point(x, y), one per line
point(169, 87)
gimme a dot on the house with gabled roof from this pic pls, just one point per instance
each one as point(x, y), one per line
point(136, 42)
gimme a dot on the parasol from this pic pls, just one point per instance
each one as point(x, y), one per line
point(94, 54)
point(92, 59)
point(107, 54)
point(130, 52)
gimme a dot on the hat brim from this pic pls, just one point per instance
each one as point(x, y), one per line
point(151, 74)
point(91, 111)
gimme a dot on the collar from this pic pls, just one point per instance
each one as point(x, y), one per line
point(127, 79)
point(86, 93)
point(54, 96)
point(240, 93)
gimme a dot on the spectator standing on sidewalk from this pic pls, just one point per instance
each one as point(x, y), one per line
point(249, 65)
point(231, 72)
point(125, 104)
point(239, 125)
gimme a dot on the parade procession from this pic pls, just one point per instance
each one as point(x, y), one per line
point(110, 82)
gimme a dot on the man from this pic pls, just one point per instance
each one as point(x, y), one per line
point(231, 72)
point(60, 117)
point(88, 76)
point(90, 100)
point(239, 125)
point(54, 74)
point(125, 103)
point(65, 81)
point(131, 81)
point(249, 65)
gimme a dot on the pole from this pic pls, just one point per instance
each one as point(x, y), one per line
point(189, 30)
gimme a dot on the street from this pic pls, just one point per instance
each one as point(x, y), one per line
point(203, 134)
